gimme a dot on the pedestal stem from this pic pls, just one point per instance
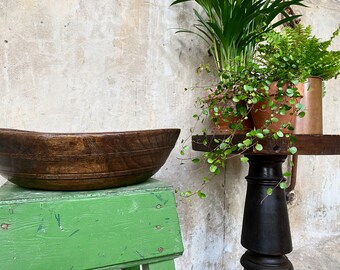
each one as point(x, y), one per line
point(266, 231)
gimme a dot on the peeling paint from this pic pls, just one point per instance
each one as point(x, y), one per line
point(74, 232)
point(5, 226)
point(140, 255)
point(58, 219)
point(160, 198)
point(41, 226)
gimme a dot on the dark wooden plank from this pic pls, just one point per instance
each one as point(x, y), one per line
point(306, 144)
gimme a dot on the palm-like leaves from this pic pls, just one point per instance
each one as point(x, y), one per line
point(231, 27)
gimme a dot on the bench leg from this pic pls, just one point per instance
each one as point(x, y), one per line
point(166, 265)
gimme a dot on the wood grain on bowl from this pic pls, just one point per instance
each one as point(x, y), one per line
point(83, 161)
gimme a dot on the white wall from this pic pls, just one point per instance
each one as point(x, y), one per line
point(76, 65)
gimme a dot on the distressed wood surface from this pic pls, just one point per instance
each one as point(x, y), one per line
point(166, 265)
point(109, 229)
point(83, 161)
point(306, 144)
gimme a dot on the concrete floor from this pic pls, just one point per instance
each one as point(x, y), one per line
point(323, 255)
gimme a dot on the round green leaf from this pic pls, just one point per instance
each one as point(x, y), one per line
point(195, 160)
point(283, 185)
point(235, 99)
point(292, 150)
point(244, 159)
point(259, 147)
point(201, 195)
point(266, 131)
point(269, 191)
point(259, 135)
point(186, 193)
point(287, 174)
point(302, 114)
point(223, 146)
point(280, 134)
point(210, 160)
point(247, 142)
point(213, 168)
point(300, 106)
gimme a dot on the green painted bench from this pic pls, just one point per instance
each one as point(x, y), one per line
point(130, 228)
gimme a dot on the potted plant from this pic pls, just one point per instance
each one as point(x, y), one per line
point(292, 57)
point(274, 83)
point(231, 30)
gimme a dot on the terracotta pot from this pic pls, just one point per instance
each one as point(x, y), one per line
point(260, 115)
point(311, 123)
point(223, 125)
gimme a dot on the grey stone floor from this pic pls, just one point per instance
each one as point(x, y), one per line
point(324, 255)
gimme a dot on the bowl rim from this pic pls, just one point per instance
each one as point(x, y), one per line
point(84, 134)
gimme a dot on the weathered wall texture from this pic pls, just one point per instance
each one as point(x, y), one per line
point(76, 65)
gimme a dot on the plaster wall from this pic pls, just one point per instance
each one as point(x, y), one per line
point(77, 66)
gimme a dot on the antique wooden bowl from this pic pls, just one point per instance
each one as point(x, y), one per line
point(83, 161)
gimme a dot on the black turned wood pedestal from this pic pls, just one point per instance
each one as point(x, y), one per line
point(266, 231)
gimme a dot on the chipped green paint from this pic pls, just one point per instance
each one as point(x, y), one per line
point(132, 268)
point(104, 229)
point(74, 233)
point(166, 265)
point(57, 217)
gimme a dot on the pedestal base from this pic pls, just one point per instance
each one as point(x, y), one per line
point(254, 261)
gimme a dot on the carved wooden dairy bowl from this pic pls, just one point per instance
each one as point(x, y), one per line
point(83, 161)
